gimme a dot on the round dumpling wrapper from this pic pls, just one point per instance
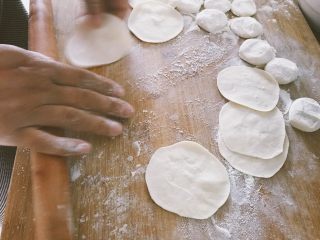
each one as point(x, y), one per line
point(90, 46)
point(186, 179)
point(257, 167)
point(155, 22)
point(250, 132)
point(250, 87)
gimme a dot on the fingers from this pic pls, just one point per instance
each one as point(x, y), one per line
point(118, 7)
point(40, 141)
point(92, 101)
point(73, 119)
point(61, 74)
point(95, 7)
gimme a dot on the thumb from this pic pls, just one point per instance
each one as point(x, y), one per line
point(95, 8)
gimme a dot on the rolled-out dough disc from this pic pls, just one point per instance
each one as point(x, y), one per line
point(90, 46)
point(250, 132)
point(257, 167)
point(250, 87)
point(155, 22)
point(186, 179)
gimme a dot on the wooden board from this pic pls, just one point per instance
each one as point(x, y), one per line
point(173, 88)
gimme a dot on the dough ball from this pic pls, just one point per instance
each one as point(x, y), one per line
point(221, 5)
point(155, 22)
point(250, 132)
point(304, 114)
point(256, 52)
point(243, 8)
point(186, 179)
point(187, 6)
point(211, 20)
point(134, 3)
point(250, 87)
point(283, 70)
point(89, 47)
point(257, 167)
point(246, 27)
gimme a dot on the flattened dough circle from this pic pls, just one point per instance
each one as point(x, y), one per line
point(89, 46)
point(250, 87)
point(257, 167)
point(155, 22)
point(250, 132)
point(186, 179)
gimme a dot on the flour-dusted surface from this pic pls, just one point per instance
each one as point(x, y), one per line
point(173, 87)
point(177, 99)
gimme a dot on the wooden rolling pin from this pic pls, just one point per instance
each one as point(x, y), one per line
point(50, 176)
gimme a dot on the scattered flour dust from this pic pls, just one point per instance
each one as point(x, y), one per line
point(241, 217)
point(183, 63)
point(251, 199)
point(282, 6)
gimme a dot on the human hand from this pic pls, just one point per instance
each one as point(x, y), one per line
point(96, 7)
point(37, 92)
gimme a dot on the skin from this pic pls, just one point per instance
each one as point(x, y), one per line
point(37, 92)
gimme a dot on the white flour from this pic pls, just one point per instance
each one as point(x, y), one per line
point(254, 204)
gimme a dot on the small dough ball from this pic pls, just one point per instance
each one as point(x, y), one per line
point(221, 5)
point(283, 70)
point(89, 47)
point(256, 52)
point(243, 8)
point(186, 179)
point(134, 3)
point(246, 27)
point(187, 6)
point(212, 20)
point(304, 114)
point(250, 132)
point(250, 87)
point(155, 22)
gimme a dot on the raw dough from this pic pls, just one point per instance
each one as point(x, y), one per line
point(243, 8)
point(187, 6)
point(250, 132)
point(246, 27)
point(134, 3)
point(212, 20)
point(88, 46)
point(251, 87)
point(283, 70)
point(185, 178)
point(155, 22)
point(256, 52)
point(256, 167)
point(221, 5)
point(304, 114)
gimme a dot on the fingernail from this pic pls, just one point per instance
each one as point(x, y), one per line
point(78, 148)
point(83, 148)
point(114, 128)
point(129, 111)
point(119, 91)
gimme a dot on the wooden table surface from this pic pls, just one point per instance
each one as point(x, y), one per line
point(173, 88)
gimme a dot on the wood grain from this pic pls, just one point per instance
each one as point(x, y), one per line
point(49, 174)
point(173, 88)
